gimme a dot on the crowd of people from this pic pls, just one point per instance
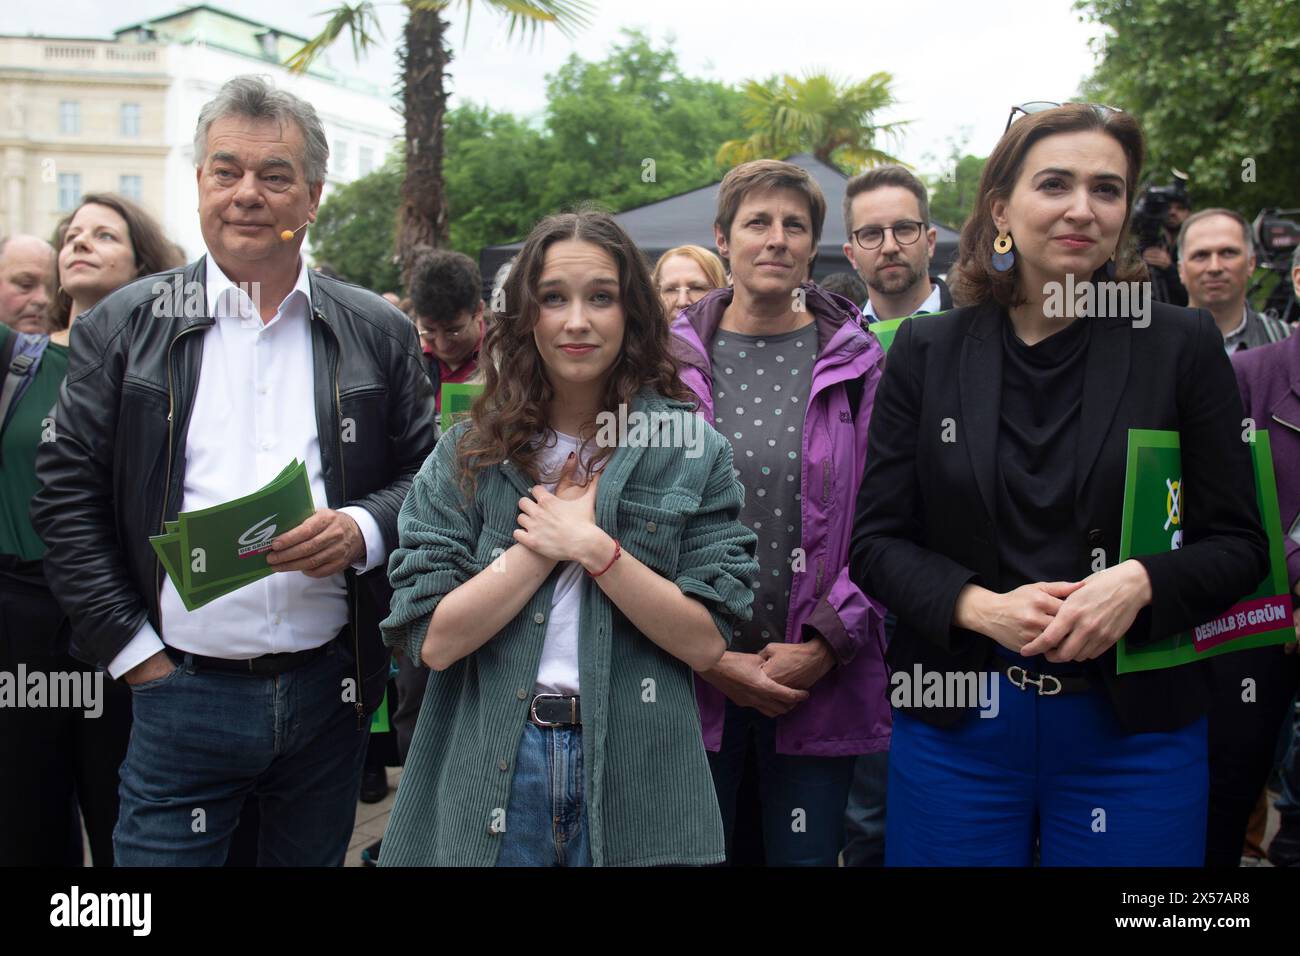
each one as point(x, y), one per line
point(588, 645)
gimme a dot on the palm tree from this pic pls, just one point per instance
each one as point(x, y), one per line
point(820, 114)
point(424, 56)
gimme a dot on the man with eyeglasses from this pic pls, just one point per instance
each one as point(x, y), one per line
point(447, 300)
point(891, 241)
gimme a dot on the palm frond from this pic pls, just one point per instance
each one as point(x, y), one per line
point(358, 19)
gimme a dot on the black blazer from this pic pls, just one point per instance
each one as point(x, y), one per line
point(926, 523)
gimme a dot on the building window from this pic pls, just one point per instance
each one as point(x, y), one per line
point(69, 191)
point(365, 161)
point(131, 187)
point(130, 119)
point(69, 117)
point(341, 157)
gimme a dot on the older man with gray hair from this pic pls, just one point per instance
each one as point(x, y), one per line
point(180, 402)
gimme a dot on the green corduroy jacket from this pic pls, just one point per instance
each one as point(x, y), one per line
point(649, 796)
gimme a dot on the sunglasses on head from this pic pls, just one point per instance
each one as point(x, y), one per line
point(1037, 106)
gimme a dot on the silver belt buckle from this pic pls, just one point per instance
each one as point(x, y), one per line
point(532, 710)
point(1028, 677)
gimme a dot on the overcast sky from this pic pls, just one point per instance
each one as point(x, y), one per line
point(958, 66)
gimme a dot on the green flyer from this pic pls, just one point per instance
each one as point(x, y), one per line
point(457, 398)
point(1153, 522)
point(885, 331)
point(213, 551)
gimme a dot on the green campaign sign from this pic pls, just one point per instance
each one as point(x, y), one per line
point(885, 331)
point(457, 399)
point(1153, 522)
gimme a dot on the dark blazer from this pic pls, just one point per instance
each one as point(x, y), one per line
point(926, 522)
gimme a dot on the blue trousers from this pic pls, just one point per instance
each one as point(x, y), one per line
point(202, 742)
point(802, 798)
point(546, 821)
point(1058, 772)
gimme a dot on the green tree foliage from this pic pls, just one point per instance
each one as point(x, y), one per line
point(602, 122)
point(819, 114)
point(355, 229)
point(953, 192)
point(1216, 84)
point(605, 119)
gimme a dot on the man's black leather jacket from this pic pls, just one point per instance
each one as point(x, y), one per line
point(116, 467)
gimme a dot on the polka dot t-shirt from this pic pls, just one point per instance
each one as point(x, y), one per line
point(760, 390)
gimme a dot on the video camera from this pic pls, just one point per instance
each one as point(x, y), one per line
point(1276, 237)
point(1152, 209)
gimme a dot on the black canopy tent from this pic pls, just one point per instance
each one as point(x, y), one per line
point(687, 218)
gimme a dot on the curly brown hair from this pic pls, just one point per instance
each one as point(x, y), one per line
point(974, 280)
point(512, 411)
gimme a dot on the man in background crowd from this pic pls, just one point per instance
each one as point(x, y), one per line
point(26, 271)
point(1216, 260)
point(891, 242)
point(447, 301)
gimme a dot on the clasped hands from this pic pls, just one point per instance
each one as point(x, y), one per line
point(561, 525)
point(1063, 620)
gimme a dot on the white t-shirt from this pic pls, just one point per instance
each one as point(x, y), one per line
point(558, 671)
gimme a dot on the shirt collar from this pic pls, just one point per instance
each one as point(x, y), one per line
point(227, 300)
point(1233, 339)
point(931, 304)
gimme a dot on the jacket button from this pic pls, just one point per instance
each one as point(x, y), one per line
point(1094, 536)
point(651, 527)
point(539, 618)
point(503, 765)
point(521, 694)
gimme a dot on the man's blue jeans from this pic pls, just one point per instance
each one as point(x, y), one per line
point(202, 741)
point(802, 798)
point(546, 822)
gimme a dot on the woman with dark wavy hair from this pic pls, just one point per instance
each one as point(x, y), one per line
point(989, 522)
point(566, 558)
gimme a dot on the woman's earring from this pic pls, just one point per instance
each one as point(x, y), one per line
point(1110, 267)
point(1003, 257)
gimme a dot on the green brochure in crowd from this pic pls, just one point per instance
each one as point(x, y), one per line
point(1153, 522)
point(885, 331)
point(214, 551)
point(457, 397)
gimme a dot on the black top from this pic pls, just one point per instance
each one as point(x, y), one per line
point(1038, 440)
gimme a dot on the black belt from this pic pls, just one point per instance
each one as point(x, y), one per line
point(1047, 685)
point(268, 665)
point(554, 710)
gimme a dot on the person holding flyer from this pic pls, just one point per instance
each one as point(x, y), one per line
point(989, 522)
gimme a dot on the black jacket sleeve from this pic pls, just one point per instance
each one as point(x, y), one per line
point(887, 559)
point(410, 432)
point(73, 512)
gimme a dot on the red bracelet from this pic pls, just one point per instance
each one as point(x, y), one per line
point(617, 552)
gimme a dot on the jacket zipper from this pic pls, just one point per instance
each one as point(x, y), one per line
point(167, 479)
point(343, 477)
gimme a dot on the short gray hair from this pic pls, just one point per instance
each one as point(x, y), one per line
point(255, 98)
point(1247, 239)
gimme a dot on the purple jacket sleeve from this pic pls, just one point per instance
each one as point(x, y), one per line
point(846, 618)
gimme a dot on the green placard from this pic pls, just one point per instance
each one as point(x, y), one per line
point(379, 720)
point(457, 398)
point(1153, 522)
point(885, 331)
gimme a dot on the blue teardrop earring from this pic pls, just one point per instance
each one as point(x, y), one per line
point(1003, 257)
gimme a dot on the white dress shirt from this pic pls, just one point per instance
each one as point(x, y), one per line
point(254, 412)
point(931, 304)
